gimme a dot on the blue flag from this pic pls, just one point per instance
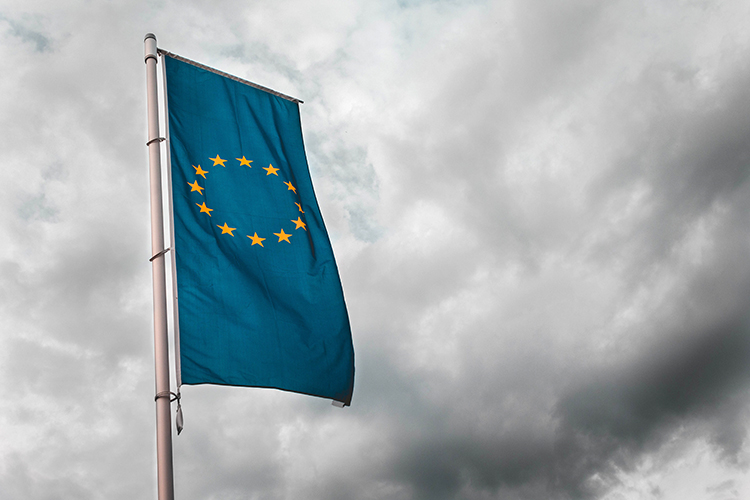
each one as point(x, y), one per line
point(259, 296)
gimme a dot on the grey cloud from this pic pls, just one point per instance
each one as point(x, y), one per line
point(680, 377)
point(22, 30)
point(471, 466)
point(357, 185)
point(689, 160)
point(630, 409)
point(20, 482)
point(602, 425)
point(725, 487)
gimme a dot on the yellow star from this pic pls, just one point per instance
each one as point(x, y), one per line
point(300, 207)
point(300, 224)
point(271, 170)
point(200, 171)
point(218, 161)
point(244, 161)
point(226, 229)
point(196, 187)
point(283, 236)
point(257, 240)
point(290, 187)
point(204, 208)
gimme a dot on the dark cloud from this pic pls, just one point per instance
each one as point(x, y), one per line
point(606, 423)
point(601, 425)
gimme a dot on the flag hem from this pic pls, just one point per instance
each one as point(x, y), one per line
point(345, 403)
point(227, 75)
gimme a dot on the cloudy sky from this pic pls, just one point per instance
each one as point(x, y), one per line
point(541, 216)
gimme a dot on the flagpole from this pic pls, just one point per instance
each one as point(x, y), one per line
point(165, 480)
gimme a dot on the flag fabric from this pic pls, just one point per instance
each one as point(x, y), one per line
point(259, 296)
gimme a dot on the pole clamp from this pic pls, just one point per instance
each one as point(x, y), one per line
point(167, 394)
point(159, 254)
point(179, 420)
point(156, 139)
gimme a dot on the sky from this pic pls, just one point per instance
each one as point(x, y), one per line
point(540, 212)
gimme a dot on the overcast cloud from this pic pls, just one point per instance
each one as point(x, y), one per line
point(541, 216)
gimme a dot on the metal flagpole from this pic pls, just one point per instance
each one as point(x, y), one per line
point(165, 480)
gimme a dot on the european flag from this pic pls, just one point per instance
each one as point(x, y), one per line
point(259, 296)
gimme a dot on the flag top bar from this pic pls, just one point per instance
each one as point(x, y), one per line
point(227, 75)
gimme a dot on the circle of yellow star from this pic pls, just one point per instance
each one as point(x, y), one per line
point(204, 208)
point(290, 187)
point(271, 170)
point(245, 162)
point(300, 224)
point(283, 236)
point(218, 161)
point(200, 171)
point(196, 187)
point(226, 229)
point(257, 240)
